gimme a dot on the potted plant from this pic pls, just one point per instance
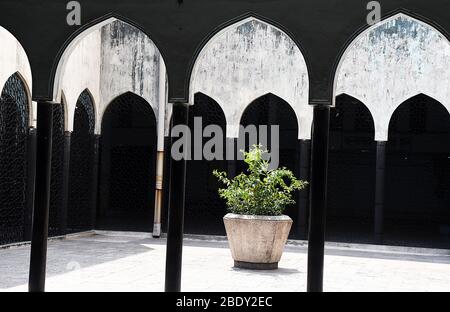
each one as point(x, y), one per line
point(256, 228)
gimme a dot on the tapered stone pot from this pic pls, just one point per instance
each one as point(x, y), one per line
point(257, 242)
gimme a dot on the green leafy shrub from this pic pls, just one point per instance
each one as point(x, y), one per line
point(261, 191)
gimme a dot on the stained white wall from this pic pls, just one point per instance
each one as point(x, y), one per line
point(109, 60)
point(391, 62)
point(14, 59)
point(81, 71)
point(246, 61)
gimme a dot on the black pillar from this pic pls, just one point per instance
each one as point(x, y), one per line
point(318, 198)
point(176, 207)
point(95, 180)
point(379, 189)
point(166, 183)
point(42, 197)
point(65, 182)
point(230, 156)
point(303, 195)
point(31, 177)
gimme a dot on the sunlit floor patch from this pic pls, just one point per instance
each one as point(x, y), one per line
point(118, 261)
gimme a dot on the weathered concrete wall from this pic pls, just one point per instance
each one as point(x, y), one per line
point(81, 71)
point(130, 61)
point(246, 61)
point(393, 61)
point(111, 60)
point(14, 59)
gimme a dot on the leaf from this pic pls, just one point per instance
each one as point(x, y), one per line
point(260, 191)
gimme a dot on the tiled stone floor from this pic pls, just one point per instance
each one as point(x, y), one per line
point(118, 261)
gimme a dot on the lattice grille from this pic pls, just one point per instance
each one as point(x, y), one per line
point(56, 189)
point(13, 159)
point(128, 163)
point(351, 166)
point(204, 209)
point(80, 206)
point(418, 165)
point(271, 110)
point(132, 180)
point(351, 126)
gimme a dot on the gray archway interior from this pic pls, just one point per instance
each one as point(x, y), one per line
point(204, 209)
point(81, 205)
point(418, 172)
point(351, 172)
point(270, 110)
point(127, 165)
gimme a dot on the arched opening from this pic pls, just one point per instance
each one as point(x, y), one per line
point(80, 211)
point(204, 209)
point(351, 171)
point(127, 165)
point(14, 122)
point(270, 110)
point(56, 216)
point(418, 173)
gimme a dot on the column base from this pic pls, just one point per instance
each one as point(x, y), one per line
point(156, 230)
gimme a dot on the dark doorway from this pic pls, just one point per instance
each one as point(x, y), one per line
point(271, 110)
point(56, 216)
point(127, 165)
point(204, 208)
point(351, 172)
point(80, 211)
point(418, 173)
point(14, 125)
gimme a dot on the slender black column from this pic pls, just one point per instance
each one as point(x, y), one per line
point(230, 155)
point(95, 181)
point(303, 196)
point(176, 207)
point(104, 173)
point(42, 197)
point(166, 183)
point(379, 189)
point(65, 181)
point(318, 198)
point(31, 177)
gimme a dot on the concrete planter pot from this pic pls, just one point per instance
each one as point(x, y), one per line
point(257, 242)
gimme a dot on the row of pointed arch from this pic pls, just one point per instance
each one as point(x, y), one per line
point(385, 65)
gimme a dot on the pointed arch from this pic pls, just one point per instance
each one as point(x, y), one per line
point(86, 100)
point(246, 60)
point(418, 168)
point(16, 88)
point(271, 110)
point(391, 61)
point(127, 164)
point(352, 157)
point(129, 95)
point(81, 203)
point(14, 130)
point(204, 208)
point(14, 60)
point(110, 57)
point(261, 101)
point(426, 103)
point(347, 101)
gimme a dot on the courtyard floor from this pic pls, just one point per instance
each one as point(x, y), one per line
point(124, 261)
